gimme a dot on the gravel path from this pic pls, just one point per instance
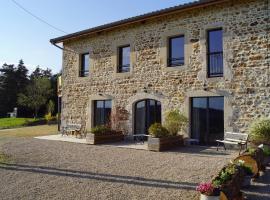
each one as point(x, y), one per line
point(58, 170)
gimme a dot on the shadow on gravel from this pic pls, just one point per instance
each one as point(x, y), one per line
point(99, 176)
point(202, 151)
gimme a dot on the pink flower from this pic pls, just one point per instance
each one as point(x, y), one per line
point(205, 188)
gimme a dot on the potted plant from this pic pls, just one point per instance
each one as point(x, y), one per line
point(103, 134)
point(248, 173)
point(175, 122)
point(161, 139)
point(259, 131)
point(208, 191)
point(229, 180)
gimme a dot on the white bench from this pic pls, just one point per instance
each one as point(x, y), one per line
point(73, 129)
point(140, 137)
point(240, 139)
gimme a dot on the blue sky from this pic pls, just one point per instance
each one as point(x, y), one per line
point(22, 36)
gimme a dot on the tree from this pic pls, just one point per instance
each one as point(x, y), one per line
point(13, 80)
point(50, 107)
point(8, 89)
point(36, 94)
point(39, 73)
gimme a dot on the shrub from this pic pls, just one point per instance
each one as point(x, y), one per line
point(266, 150)
point(225, 175)
point(251, 151)
point(260, 131)
point(175, 121)
point(101, 130)
point(247, 169)
point(158, 131)
point(48, 117)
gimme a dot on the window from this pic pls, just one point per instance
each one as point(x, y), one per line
point(176, 51)
point(102, 112)
point(124, 59)
point(215, 53)
point(84, 68)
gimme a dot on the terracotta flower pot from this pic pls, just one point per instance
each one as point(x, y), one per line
point(206, 197)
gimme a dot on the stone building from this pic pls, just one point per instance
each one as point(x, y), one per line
point(209, 59)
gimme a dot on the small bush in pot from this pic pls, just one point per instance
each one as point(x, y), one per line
point(158, 131)
point(229, 180)
point(208, 191)
point(260, 131)
point(175, 121)
point(224, 176)
point(100, 130)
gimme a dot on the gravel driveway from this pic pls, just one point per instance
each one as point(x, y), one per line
point(44, 169)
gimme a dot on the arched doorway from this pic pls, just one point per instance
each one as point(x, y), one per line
point(146, 112)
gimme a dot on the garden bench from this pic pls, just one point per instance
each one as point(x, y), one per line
point(240, 139)
point(74, 129)
point(140, 137)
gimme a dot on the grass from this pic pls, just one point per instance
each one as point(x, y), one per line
point(31, 131)
point(15, 122)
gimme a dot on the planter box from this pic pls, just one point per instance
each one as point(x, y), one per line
point(101, 139)
point(160, 144)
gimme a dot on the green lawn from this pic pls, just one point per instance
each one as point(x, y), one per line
point(15, 122)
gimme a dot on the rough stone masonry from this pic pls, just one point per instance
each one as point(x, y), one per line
point(245, 84)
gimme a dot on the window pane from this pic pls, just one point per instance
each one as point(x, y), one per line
point(124, 59)
point(98, 113)
point(140, 117)
point(215, 53)
point(85, 64)
point(102, 112)
point(177, 52)
point(199, 118)
point(215, 41)
point(216, 118)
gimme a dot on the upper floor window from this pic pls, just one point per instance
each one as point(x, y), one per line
point(84, 68)
point(102, 112)
point(176, 51)
point(215, 53)
point(124, 59)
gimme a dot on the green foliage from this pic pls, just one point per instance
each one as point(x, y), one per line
point(260, 131)
point(175, 121)
point(266, 150)
point(100, 130)
point(15, 122)
point(36, 94)
point(246, 168)
point(225, 175)
point(13, 80)
point(48, 117)
point(50, 107)
point(251, 151)
point(158, 131)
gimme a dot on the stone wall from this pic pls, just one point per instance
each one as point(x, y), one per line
point(245, 85)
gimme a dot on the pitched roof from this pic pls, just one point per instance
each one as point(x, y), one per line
point(166, 11)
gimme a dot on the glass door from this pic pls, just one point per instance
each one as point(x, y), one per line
point(207, 119)
point(147, 112)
